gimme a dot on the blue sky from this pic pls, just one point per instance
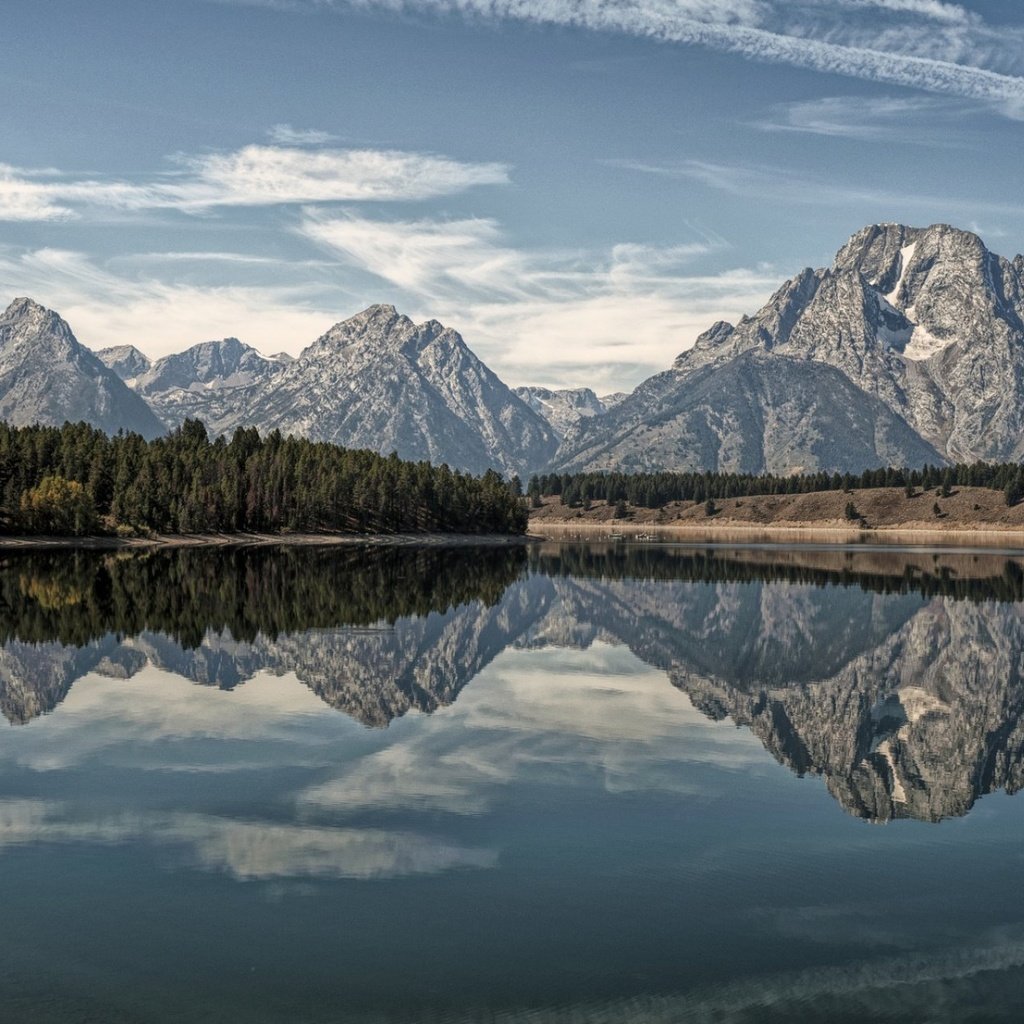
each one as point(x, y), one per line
point(579, 187)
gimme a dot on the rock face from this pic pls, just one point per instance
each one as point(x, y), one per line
point(206, 381)
point(47, 377)
point(918, 725)
point(565, 407)
point(753, 414)
point(380, 381)
point(925, 321)
point(125, 360)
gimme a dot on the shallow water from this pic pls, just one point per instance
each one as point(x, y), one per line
point(569, 783)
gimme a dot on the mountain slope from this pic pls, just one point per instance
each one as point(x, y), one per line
point(47, 377)
point(380, 381)
point(753, 414)
point(563, 408)
point(125, 360)
point(204, 381)
point(925, 321)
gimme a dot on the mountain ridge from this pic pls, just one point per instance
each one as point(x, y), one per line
point(47, 375)
point(926, 321)
point(908, 348)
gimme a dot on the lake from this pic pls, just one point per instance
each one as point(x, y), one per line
point(549, 783)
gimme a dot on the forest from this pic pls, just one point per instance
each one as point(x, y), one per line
point(655, 490)
point(77, 481)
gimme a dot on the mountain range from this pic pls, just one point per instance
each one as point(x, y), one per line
point(908, 349)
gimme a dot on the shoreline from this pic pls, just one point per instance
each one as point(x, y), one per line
point(252, 540)
point(781, 535)
point(885, 516)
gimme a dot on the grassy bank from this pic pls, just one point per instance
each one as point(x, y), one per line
point(966, 513)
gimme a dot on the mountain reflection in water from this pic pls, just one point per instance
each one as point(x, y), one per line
point(896, 676)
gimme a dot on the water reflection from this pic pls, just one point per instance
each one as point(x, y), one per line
point(894, 676)
point(541, 784)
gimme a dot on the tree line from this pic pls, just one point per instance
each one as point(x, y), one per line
point(77, 481)
point(655, 490)
point(78, 597)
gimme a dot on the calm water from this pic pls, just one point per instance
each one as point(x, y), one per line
point(568, 784)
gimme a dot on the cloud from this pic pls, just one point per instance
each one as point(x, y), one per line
point(155, 708)
point(606, 319)
point(919, 120)
point(424, 256)
point(42, 195)
point(922, 44)
point(778, 183)
point(548, 317)
point(261, 175)
point(251, 176)
point(286, 135)
point(951, 14)
point(214, 256)
point(533, 712)
point(23, 199)
point(161, 316)
point(247, 850)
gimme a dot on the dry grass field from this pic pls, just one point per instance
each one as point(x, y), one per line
point(965, 510)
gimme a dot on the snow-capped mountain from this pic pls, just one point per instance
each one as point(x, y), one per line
point(47, 377)
point(379, 381)
point(924, 322)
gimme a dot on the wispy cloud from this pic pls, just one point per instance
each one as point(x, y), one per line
point(923, 44)
point(917, 120)
point(597, 710)
point(785, 185)
point(286, 135)
point(950, 14)
point(247, 850)
point(162, 315)
point(251, 176)
point(595, 317)
point(603, 318)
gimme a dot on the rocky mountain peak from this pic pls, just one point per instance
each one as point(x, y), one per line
point(46, 376)
point(26, 320)
point(377, 380)
point(713, 338)
point(125, 360)
point(228, 363)
point(918, 270)
point(22, 307)
point(563, 408)
point(926, 319)
point(374, 325)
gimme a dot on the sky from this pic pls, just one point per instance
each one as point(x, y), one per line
point(580, 187)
